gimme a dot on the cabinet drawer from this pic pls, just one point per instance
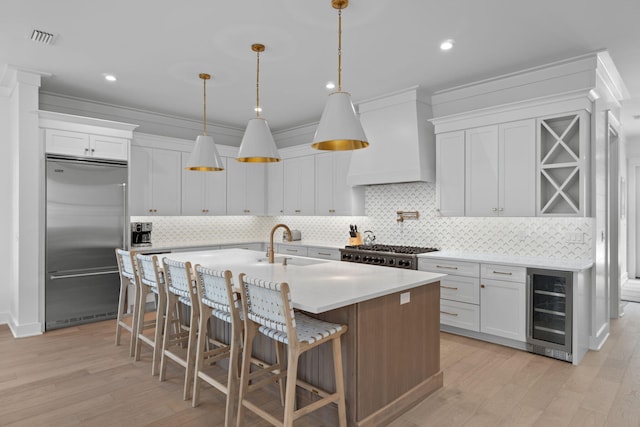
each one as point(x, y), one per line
point(292, 250)
point(459, 268)
point(333, 254)
point(460, 315)
point(250, 246)
point(508, 273)
point(460, 288)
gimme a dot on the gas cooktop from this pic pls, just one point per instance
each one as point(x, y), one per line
point(385, 255)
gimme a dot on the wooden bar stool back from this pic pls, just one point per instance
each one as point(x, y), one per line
point(127, 278)
point(180, 287)
point(268, 310)
point(150, 281)
point(217, 299)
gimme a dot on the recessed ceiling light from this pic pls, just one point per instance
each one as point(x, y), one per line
point(110, 77)
point(330, 85)
point(447, 44)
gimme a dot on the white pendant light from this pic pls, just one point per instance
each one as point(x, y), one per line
point(204, 156)
point(339, 127)
point(257, 144)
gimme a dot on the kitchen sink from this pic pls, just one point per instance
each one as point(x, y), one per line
point(300, 262)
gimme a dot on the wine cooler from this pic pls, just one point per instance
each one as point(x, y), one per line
point(549, 313)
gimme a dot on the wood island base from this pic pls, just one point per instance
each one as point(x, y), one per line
point(391, 356)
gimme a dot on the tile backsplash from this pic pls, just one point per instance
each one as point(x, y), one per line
point(535, 237)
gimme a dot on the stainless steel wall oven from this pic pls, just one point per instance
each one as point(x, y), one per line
point(549, 313)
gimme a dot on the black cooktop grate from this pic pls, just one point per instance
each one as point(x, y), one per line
point(397, 249)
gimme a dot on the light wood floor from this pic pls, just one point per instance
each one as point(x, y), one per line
point(77, 377)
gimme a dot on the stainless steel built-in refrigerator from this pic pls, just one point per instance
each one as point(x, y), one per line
point(86, 220)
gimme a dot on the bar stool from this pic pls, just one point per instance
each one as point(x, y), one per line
point(150, 280)
point(127, 278)
point(267, 309)
point(217, 299)
point(180, 288)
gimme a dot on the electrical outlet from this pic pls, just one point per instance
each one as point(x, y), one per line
point(575, 237)
point(405, 298)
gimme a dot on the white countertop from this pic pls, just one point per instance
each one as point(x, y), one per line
point(523, 261)
point(318, 285)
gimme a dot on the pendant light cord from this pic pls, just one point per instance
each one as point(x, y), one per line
point(258, 84)
point(339, 50)
point(204, 105)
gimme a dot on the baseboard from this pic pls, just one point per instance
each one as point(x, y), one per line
point(596, 343)
point(20, 331)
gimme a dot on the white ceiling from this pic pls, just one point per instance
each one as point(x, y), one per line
point(157, 49)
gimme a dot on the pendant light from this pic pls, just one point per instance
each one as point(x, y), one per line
point(204, 156)
point(257, 144)
point(339, 127)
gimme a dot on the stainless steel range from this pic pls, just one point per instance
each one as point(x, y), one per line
point(386, 255)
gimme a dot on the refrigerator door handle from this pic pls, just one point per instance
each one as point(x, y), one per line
point(67, 276)
point(124, 216)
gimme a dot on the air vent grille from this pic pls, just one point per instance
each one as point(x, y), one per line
point(43, 37)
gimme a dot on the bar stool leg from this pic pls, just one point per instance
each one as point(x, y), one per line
point(249, 334)
point(158, 333)
point(169, 323)
point(337, 368)
point(290, 395)
point(141, 299)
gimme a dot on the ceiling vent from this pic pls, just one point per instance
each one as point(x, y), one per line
point(43, 37)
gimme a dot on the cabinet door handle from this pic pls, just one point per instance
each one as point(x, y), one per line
point(332, 210)
point(482, 286)
point(291, 250)
point(324, 253)
point(449, 314)
point(246, 211)
point(86, 150)
point(500, 209)
point(502, 272)
point(449, 287)
point(297, 211)
point(93, 150)
point(446, 266)
point(494, 209)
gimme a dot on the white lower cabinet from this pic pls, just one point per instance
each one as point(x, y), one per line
point(459, 292)
point(485, 298)
point(460, 315)
point(325, 253)
point(283, 248)
point(503, 302)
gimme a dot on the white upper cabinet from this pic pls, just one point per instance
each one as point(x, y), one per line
point(333, 195)
point(203, 193)
point(299, 186)
point(85, 145)
point(79, 136)
point(246, 188)
point(563, 142)
point(450, 173)
point(275, 189)
point(155, 178)
point(500, 166)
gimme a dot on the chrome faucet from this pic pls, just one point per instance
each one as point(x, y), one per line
point(273, 230)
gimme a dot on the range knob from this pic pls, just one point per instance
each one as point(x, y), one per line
point(391, 261)
point(366, 258)
point(402, 263)
point(357, 258)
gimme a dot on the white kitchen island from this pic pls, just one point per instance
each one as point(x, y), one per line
point(391, 351)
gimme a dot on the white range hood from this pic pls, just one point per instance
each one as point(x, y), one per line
point(401, 138)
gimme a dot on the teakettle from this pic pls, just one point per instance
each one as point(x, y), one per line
point(369, 238)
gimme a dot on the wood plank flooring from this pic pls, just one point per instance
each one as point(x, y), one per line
point(78, 377)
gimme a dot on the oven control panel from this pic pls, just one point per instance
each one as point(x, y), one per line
point(377, 258)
